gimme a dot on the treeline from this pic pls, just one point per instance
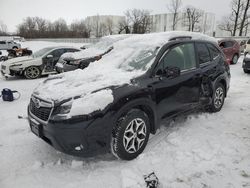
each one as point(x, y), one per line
point(134, 21)
point(36, 27)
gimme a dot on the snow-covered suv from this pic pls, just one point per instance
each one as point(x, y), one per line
point(7, 45)
point(115, 103)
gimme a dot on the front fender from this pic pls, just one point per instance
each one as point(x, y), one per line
point(143, 103)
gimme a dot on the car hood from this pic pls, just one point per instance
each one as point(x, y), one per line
point(89, 89)
point(18, 60)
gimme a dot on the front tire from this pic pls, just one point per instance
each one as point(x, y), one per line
point(218, 98)
point(32, 72)
point(130, 136)
point(246, 71)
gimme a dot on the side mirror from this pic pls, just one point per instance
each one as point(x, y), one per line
point(49, 56)
point(172, 72)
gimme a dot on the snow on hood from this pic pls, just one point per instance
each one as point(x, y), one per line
point(116, 68)
point(99, 48)
point(17, 60)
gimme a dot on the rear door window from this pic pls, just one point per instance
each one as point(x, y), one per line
point(203, 53)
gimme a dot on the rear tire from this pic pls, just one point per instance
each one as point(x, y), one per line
point(218, 98)
point(130, 136)
point(32, 72)
point(235, 59)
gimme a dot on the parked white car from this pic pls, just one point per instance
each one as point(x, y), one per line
point(40, 63)
point(7, 45)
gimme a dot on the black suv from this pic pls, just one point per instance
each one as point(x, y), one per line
point(171, 74)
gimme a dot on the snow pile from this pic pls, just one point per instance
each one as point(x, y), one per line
point(116, 68)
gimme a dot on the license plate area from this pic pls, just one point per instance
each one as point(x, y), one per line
point(36, 128)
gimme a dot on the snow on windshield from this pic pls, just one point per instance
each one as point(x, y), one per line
point(130, 58)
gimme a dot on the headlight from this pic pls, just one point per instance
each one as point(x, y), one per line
point(64, 108)
point(16, 65)
point(77, 62)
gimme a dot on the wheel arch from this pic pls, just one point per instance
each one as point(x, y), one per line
point(222, 81)
point(144, 104)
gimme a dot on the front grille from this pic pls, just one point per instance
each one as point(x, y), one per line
point(3, 67)
point(40, 112)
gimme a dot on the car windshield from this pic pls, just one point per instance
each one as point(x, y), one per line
point(41, 52)
point(141, 60)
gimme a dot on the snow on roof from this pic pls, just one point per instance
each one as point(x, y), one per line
point(102, 46)
point(112, 69)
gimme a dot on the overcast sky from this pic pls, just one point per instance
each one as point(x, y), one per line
point(12, 12)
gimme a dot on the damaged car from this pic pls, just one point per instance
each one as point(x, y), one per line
point(115, 104)
point(40, 63)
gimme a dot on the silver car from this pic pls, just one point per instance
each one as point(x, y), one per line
point(40, 63)
point(7, 45)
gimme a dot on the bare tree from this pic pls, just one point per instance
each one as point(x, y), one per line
point(88, 26)
point(138, 20)
point(244, 22)
point(3, 28)
point(193, 18)
point(174, 8)
point(109, 25)
point(236, 13)
point(227, 25)
point(79, 29)
point(123, 25)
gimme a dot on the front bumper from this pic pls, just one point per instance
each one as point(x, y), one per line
point(81, 138)
point(7, 71)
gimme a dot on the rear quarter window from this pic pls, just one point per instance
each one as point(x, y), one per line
point(203, 53)
point(214, 52)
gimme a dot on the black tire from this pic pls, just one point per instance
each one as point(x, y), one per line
point(15, 48)
point(246, 71)
point(130, 129)
point(218, 98)
point(235, 59)
point(32, 72)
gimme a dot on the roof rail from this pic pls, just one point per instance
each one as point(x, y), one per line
point(180, 38)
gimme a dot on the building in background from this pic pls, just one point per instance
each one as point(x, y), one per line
point(164, 22)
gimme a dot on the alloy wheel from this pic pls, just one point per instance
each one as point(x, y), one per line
point(218, 97)
point(32, 72)
point(134, 135)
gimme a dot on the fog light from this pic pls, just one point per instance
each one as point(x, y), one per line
point(79, 148)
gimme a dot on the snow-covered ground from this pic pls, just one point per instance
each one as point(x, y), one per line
point(204, 150)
